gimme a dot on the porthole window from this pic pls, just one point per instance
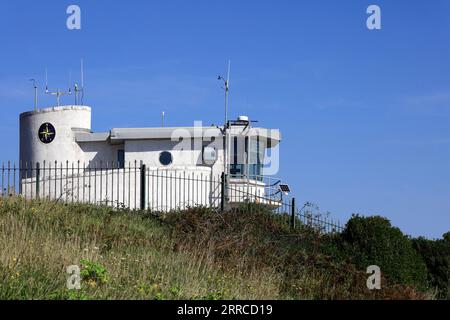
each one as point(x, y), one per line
point(165, 158)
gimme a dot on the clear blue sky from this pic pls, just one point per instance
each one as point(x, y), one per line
point(364, 114)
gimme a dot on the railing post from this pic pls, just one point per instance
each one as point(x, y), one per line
point(222, 192)
point(38, 178)
point(143, 186)
point(293, 214)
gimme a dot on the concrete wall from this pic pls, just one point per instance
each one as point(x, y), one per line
point(65, 120)
point(97, 152)
point(186, 154)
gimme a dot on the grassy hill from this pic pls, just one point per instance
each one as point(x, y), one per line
point(193, 254)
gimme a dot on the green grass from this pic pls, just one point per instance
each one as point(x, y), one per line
point(194, 254)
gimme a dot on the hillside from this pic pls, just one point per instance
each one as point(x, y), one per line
point(194, 254)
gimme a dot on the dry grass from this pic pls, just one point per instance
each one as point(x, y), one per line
point(40, 239)
point(196, 254)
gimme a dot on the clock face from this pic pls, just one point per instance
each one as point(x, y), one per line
point(47, 133)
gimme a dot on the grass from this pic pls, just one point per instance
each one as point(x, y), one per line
point(194, 254)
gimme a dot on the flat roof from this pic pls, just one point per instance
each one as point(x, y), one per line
point(118, 135)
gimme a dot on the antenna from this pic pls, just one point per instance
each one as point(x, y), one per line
point(46, 80)
point(70, 82)
point(162, 118)
point(225, 127)
point(82, 74)
point(35, 94)
point(82, 81)
point(58, 93)
point(227, 89)
point(78, 89)
point(228, 75)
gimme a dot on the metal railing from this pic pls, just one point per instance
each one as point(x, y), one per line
point(138, 187)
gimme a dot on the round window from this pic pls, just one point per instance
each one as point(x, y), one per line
point(165, 158)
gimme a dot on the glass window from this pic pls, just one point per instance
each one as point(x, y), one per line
point(257, 150)
point(121, 158)
point(237, 158)
point(247, 157)
point(165, 158)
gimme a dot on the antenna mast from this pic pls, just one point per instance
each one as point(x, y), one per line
point(226, 124)
point(35, 94)
point(227, 90)
point(82, 81)
point(58, 93)
point(78, 89)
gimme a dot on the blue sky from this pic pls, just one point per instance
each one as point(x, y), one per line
point(364, 114)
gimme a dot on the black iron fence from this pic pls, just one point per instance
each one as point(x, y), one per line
point(138, 187)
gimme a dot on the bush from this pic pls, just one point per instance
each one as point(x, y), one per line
point(93, 273)
point(436, 255)
point(447, 237)
point(374, 241)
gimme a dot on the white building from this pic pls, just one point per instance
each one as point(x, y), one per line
point(154, 168)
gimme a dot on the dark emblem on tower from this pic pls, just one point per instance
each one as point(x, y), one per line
point(47, 133)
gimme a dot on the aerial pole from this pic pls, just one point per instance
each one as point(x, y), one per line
point(225, 127)
point(79, 89)
point(82, 82)
point(58, 93)
point(35, 94)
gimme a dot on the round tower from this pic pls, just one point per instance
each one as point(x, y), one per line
point(49, 134)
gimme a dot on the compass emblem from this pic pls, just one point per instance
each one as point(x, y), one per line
point(47, 133)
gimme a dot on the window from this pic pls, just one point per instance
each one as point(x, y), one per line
point(247, 157)
point(121, 158)
point(165, 158)
point(236, 166)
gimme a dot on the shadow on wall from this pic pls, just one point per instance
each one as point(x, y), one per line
point(101, 154)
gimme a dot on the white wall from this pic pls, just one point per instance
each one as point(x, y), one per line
point(64, 147)
point(96, 152)
point(186, 155)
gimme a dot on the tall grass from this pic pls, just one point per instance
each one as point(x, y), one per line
point(195, 254)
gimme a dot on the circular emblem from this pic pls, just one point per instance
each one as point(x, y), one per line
point(47, 133)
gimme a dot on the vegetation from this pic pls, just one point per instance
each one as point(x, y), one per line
point(436, 255)
point(202, 254)
point(373, 241)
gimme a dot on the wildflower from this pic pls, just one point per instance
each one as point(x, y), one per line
point(92, 283)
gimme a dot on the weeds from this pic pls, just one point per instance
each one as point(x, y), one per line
point(194, 254)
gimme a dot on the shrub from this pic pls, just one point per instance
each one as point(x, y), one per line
point(446, 237)
point(374, 241)
point(436, 254)
point(93, 273)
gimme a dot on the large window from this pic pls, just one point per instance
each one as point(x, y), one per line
point(257, 148)
point(247, 157)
